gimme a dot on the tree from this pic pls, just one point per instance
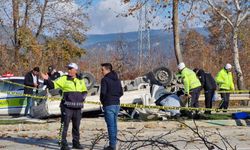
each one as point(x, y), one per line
point(32, 25)
point(15, 10)
point(119, 58)
point(5, 58)
point(157, 5)
point(177, 48)
point(199, 53)
point(234, 12)
point(61, 51)
point(244, 53)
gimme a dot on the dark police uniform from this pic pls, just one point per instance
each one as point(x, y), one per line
point(209, 85)
point(74, 93)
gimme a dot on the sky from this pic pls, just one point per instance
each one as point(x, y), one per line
point(103, 18)
point(103, 15)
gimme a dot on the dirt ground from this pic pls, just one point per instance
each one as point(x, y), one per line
point(44, 136)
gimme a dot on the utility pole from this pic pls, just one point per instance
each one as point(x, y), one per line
point(143, 36)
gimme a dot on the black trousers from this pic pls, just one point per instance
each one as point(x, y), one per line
point(208, 99)
point(225, 100)
point(67, 115)
point(195, 93)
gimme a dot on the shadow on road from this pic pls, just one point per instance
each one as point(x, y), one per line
point(43, 143)
point(240, 123)
point(51, 144)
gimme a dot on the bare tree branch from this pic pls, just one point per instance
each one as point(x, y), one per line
point(7, 14)
point(154, 141)
point(237, 5)
point(203, 138)
point(226, 141)
point(11, 38)
point(26, 15)
point(132, 140)
point(40, 27)
point(220, 13)
point(189, 11)
point(245, 15)
point(99, 137)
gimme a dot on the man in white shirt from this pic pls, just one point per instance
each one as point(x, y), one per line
point(31, 84)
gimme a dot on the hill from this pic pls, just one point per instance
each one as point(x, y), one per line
point(159, 40)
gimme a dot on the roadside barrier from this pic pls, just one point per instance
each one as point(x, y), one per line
point(131, 105)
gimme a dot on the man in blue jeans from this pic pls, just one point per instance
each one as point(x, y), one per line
point(31, 84)
point(111, 91)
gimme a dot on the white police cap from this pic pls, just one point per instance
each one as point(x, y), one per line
point(73, 65)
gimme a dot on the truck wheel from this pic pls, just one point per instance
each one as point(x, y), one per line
point(160, 76)
point(163, 75)
point(89, 80)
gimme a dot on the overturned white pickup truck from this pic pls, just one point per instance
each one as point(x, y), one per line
point(136, 91)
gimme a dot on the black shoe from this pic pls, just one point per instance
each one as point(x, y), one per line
point(77, 146)
point(65, 147)
point(109, 148)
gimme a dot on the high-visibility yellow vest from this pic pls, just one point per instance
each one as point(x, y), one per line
point(225, 80)
point(190, 80)
point(67, 84)
point(74, 91)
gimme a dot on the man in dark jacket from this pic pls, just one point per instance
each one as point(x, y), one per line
point(209, 85)
point(31, 83)
point(111, 91)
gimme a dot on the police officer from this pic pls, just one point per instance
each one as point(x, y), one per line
point(225, 81)
point(209, 85)
point(53, 74)
point(74, 93)
point(192, 85)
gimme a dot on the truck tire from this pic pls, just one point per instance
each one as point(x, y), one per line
point(160, 76)
point(89, 80)
point(163, 75)
point(151, 79)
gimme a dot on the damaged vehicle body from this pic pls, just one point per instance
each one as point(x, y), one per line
point(158, 87)
point(164, 89)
